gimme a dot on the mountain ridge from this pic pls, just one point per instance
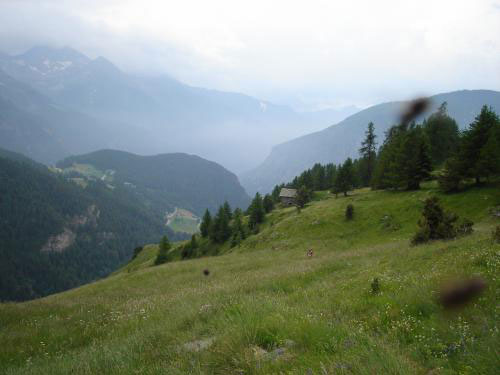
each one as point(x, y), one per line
point(191, 182)
point(158, 114)
point(342, 140)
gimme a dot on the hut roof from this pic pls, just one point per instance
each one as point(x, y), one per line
point(288, 193)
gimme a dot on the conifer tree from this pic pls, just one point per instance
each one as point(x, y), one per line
point(256, 212)
point(318, 177)
point(206, 223)
point(193, 244)
point(489, 157)
point(331, 170)
point(450, 177)
point(237, 227)
point(368, 153)
point(442, 134)
point(344, 179)
point(474, 139)
point(268, 203)
point(302, 196)
point(163, 251)
point(414, 162)
point(387, 174)
point(227, 210)
point(221, 230)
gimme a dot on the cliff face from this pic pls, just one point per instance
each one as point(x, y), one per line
point(62, 241)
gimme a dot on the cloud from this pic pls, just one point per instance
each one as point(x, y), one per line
point(305, 53)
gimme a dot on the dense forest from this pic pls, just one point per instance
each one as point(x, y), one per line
point(55, 235)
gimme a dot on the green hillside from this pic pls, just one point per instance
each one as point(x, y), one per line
point(56, 235)
point(162, 182)
point(267, 308)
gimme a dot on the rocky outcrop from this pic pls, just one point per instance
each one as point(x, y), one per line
point(62, 241)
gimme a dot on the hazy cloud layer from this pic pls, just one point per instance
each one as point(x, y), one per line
point(309, 54)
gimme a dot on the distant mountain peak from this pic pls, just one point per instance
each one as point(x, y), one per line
point(41, 53)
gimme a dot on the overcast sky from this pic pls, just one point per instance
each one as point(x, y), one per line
point(309, 54)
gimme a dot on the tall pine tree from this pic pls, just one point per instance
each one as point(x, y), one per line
point(368, 153)
point(442, 134)
point(206, 223)
point(256, 211)
point(474, 139)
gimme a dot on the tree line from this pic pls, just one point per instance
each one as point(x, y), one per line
point(410, 153)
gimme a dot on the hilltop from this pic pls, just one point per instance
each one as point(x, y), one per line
point(266, 307)
point(163, 181)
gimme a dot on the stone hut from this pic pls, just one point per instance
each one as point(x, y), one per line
point(288, 196)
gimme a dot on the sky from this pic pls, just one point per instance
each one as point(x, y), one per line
point(310, 54)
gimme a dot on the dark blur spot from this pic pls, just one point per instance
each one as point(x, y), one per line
point(206, 272)
point(461, 293)
point(414, 109)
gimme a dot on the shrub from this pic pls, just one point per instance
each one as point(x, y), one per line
point(422, 235)
point(349, 212)
point(438, 224)
point(375, 286)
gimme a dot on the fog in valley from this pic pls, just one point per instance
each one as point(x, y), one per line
point(227, 80)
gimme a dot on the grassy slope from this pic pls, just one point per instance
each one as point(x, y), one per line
point(184, 224)
point(268, 291)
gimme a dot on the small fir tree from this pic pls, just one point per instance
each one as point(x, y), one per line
point(206, 223)
point(163, 255)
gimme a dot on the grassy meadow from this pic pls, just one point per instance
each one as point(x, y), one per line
point(267, 308)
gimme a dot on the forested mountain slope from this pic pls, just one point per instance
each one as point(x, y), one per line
point(166, 181)
point(55, 235)
point(336, 143)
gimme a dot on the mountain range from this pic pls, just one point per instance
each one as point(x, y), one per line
point(338, 142)
point(85, 104)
